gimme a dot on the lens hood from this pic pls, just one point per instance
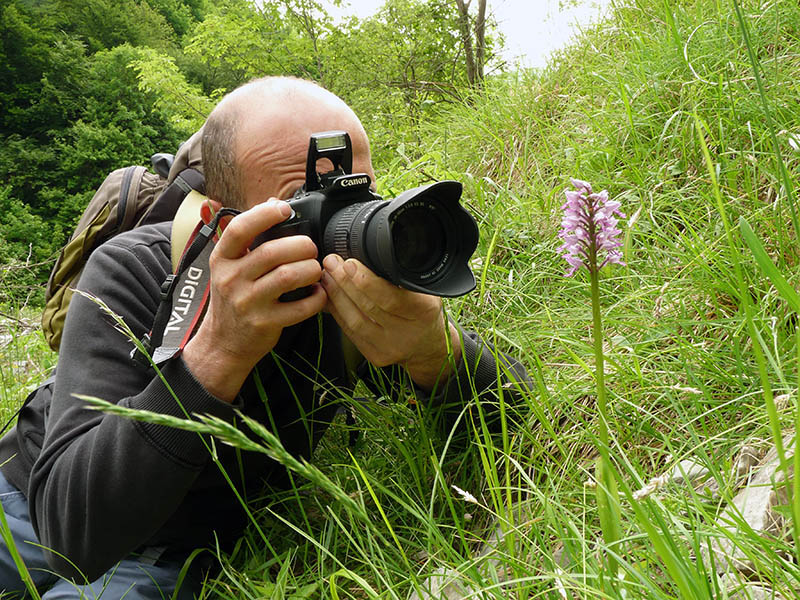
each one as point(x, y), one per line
point(423, 239)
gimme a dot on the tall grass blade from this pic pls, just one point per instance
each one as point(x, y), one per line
point(22, 569)
point(348, 574)
point(767, 267)
point(744, 298)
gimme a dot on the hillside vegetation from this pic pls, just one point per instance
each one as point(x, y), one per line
point(687, 113)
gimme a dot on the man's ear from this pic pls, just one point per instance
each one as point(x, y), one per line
point(208, 209)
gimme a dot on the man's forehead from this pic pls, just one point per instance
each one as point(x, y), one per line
point(288, 145)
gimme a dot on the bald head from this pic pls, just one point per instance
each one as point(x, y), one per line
point(255, 141)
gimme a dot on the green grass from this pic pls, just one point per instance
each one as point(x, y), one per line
point(698, 358)
point(25, 359)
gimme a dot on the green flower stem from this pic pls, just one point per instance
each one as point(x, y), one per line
point(607, 495)
point(599, 369)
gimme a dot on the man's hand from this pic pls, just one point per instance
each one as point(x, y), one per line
point(388, 324)
point(245, 318)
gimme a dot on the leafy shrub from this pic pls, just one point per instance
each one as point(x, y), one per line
point(26, 246)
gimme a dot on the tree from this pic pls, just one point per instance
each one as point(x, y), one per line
point(273, 38)
point(473, 38)
point(70, 119)
point(103, 24)
point(25, 245)
point(38, 64)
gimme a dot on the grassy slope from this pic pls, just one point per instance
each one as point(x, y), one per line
point(617, 109)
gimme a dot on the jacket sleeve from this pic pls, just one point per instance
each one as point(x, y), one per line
point(103, 485)
point(484, 379)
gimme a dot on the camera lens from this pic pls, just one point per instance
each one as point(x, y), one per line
point(344, 233)
point(421, 240)
point(418, 238)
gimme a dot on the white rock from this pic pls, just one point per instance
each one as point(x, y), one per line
point(444, 584)
point(747, 459)
point(688, 471)
point(754, 506)
point(747, 590)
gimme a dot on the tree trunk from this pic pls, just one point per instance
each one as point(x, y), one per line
point(474, 53)
point(480, 41)
point(466, 40)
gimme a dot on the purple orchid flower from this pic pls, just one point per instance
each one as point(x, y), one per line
point(589, 229)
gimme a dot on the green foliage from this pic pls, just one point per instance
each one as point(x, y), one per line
point(117, 124)
point(269, 41)
point(71, 119)
point(37, 64)
point(182, 104)
point(26, 245)
point(179, 14)
point(120, 123)
point(103, 24)
point(22, 232)
point(411, 52)
point(391, 68)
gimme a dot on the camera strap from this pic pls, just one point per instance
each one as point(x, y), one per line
point(184, 295)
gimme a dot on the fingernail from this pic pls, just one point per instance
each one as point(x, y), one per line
point(328, 262)
point(284, 207)
point(349, 268)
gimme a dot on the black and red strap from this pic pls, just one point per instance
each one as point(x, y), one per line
point(184, 295)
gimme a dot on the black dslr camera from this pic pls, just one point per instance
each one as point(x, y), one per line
point(421, 240)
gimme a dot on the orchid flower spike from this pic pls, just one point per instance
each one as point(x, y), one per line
point(589, 229)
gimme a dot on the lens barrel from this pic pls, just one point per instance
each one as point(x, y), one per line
point(345, 231)
point(421, 240)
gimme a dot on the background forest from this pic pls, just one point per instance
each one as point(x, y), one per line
point(686, 111)
point(90, 86)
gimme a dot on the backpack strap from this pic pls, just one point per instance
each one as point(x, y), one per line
point(187, 217)
point(128, 192)
point(172, 198)
point(113, 209)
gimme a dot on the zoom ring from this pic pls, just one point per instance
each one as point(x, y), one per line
point(344, 235)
